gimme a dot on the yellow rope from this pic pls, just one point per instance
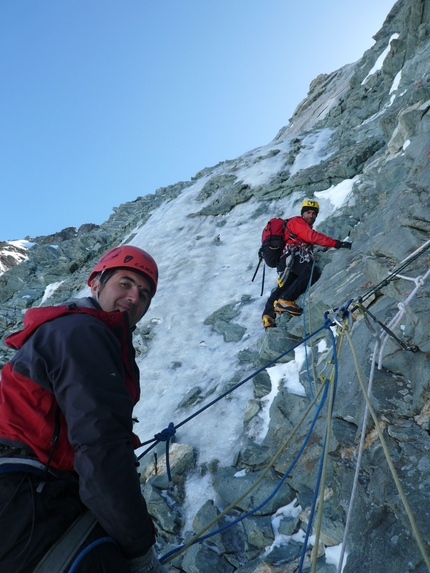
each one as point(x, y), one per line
point(387, 456)
point(325, 459)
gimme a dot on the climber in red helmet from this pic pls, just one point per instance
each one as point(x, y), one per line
point(67, 458)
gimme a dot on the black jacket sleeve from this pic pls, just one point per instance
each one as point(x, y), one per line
point(78, 358)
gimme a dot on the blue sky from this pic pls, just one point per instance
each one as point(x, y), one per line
point(103, 101)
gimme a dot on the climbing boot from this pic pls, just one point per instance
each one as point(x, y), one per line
point(268, 321)
point(289, 306)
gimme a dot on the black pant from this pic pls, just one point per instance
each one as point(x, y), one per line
point(295, 284)
point(31, 521)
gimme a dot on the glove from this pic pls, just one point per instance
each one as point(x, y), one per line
point(343, 245)
point(148, 563)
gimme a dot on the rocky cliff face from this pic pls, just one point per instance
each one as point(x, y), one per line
point(368, 124)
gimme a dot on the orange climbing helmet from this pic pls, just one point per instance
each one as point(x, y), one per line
point(128, 257)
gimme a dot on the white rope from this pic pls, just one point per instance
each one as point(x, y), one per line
point(358, 463)
point(415, 252)
point(402, 306)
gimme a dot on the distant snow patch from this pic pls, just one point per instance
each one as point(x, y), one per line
point(396, 82)
point(50, 289)
point(314, 150)
point(379, 62)
point(260, 165)
point(21, 244)
point(338, 194)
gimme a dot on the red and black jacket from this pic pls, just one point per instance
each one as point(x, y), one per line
point(81, 360)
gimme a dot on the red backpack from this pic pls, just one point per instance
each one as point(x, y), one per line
point(272, 241)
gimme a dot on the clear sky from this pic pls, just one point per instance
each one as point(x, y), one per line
point(106, 100)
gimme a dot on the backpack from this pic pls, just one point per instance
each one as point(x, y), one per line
point(272, 241)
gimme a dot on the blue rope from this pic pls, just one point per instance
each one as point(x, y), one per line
point(156, 440)
point(284, 477)
point(88, 549)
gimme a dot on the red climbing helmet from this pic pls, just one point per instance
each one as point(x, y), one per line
point(131, 258)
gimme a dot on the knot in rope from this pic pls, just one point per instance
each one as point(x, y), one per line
point(166, 434)
point(327, 321)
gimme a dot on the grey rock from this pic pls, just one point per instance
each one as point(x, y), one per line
point(288, 525)
point(255, 456)
point(277, 342)
point(232, 540)
point(262, 384)
point(252, 410)
point(161, 512)
point(181, 461)
point(192, 397)
point(221, 321)
point(259, 531)
point(200, 559)
point(284, 554)
point(230, 488)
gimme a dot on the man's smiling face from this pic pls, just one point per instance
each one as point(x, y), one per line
point(125, 291)
point(309, 216)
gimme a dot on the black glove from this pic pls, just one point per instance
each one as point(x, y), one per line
point(343, 245)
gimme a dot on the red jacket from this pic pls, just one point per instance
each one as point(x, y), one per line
point(81, 360)
point(27, 410)
point(298, 232)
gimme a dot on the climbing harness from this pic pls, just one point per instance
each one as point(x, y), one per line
point(306, 253)
point(289, 256)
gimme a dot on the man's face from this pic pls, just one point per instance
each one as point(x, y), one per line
point(125, 291)
point(310, 216)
